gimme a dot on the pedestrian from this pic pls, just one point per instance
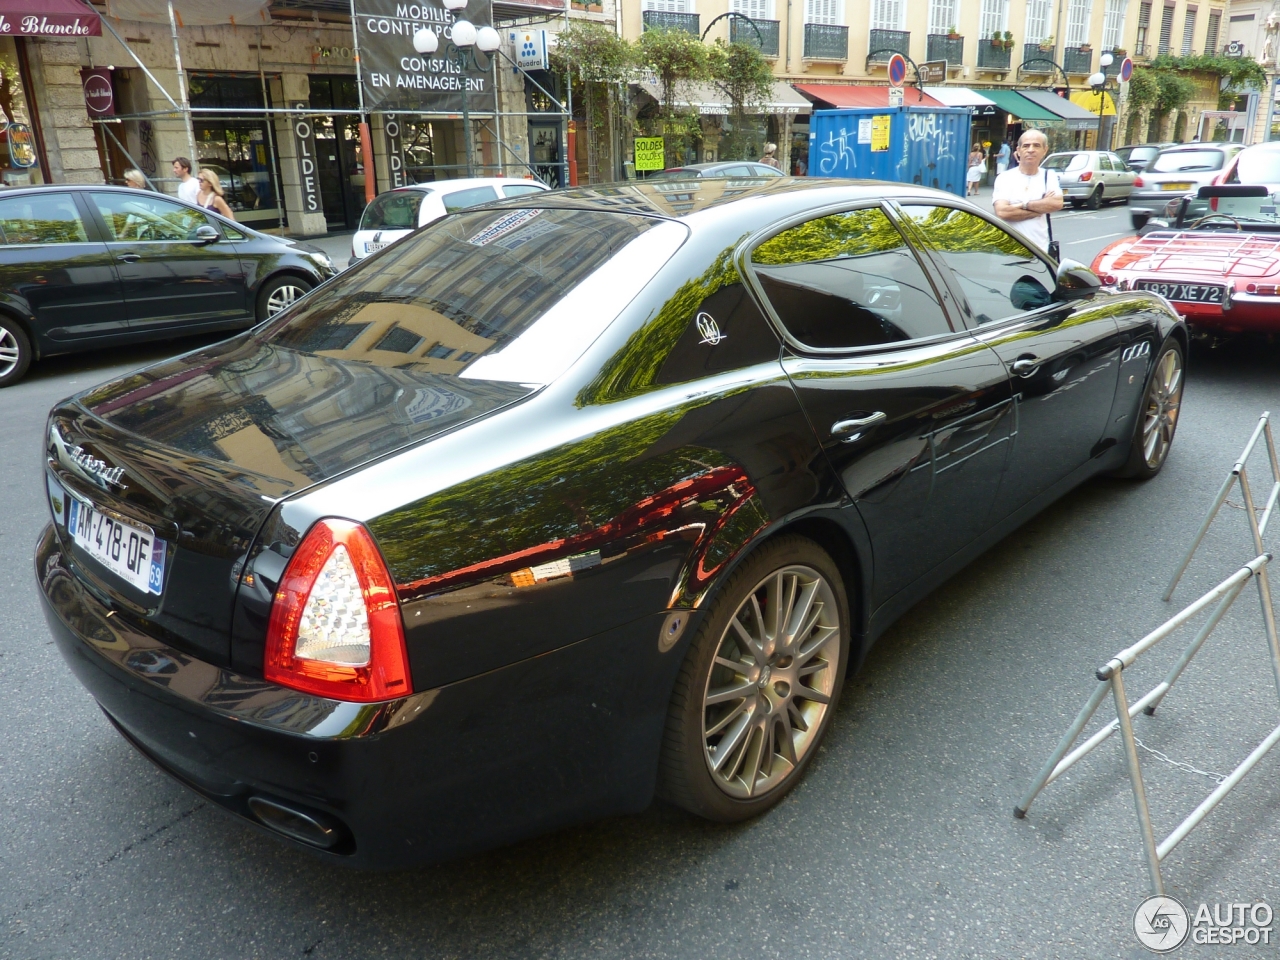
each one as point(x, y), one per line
point(188, 186)
point(771, 156)
point(210, 195)
point(1002, 158)
point(977, 168)
point(801, 168)
point(1026, 194)
point(135, 178)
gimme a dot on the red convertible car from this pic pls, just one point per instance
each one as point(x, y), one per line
point(1221, 271)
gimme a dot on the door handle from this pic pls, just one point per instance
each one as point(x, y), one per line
point(1026, 365)
point(129, 257)
point(841, 428)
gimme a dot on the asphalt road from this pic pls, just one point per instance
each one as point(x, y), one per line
point(900, 842)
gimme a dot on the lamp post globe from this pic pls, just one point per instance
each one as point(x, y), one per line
point(425, 41)
point(455, 5)
point(1097, 80)
point(487, 39)
point(464, 34)
point(1106, 60)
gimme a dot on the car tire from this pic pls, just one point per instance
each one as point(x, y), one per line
point(15, 352)
point(1157, 414)
point(1094, 200)
point(736, 756)
point(280, 293)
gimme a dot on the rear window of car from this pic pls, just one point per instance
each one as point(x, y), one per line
point(1258, 166)
point(1067, 161)
point(520, 189)
point(41, 218)
point(509, 295)
point(1187, 161)
point(397, 210)
point(461, 199)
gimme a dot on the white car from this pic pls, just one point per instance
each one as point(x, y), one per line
point(399, 212)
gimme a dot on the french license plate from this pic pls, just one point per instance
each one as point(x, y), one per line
point(133, 553)
point(372, 247)
point(1175, 186)
point(1184, 292)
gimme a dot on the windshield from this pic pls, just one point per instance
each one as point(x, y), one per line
point(1067, 161)
point(397, 210)
point(512, 295)
point(1187, 161)
point(1258, 166)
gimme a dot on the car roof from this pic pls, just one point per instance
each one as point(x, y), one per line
point(466, 183)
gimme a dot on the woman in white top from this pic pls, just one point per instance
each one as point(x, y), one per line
point(210, 196)
point(977, 168)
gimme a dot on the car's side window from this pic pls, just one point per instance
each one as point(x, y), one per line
point(520, 189)
point(1116, 163)
point(999, 276)
point(848, 280)
point(461, 199)
point(41, 218)
point(134, 217)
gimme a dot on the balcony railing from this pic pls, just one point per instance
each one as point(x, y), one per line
point(992, 57)
point(826, 41)
point(1140, 51)
point(1075, 60)
point(893, 41)
point(662, 20)
point(740, 32)
point(1043, 59)
point(941, 46)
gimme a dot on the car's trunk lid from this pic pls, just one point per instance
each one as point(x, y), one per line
point(1217, 256)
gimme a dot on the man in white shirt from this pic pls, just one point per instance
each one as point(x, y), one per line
point(1025, 194)
point(188, 186)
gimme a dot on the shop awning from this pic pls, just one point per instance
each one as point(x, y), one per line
point(709, 100)
point(1016, 105)
point(1073, 117)
point(48, 18)
point(851, 95)
point(961, 97)
point(1089, 100)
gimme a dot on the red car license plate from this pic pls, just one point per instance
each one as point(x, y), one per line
point(1184, 292)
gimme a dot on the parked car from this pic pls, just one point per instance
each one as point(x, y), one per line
point(1137, 156)
point(1220, 269)
point(569, 499)
point(724, 168)
point(399, 212)
point(1177, 172)
point(89, 267)
point(1091, 178)
point(1258, 164)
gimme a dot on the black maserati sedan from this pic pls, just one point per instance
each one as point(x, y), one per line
point(576, 499)
point(83, 267)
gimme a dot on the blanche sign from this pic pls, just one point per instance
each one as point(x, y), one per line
point(397, 77)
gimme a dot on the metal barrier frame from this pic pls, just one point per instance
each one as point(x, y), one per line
point(1111, 675)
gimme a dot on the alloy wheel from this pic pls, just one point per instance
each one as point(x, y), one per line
point(1160, 412)
point(772, 681)
point(10, 352)
point(282, 297)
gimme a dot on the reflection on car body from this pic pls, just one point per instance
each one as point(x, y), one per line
point(583, 550)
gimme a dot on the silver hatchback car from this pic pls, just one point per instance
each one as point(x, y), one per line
point(1091, 178)
point(1177, 172)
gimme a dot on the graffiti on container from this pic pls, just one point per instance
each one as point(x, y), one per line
point(836, 153)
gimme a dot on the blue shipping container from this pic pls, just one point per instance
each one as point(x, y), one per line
point(923, 145)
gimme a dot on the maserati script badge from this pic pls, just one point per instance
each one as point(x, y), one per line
point(709, 329)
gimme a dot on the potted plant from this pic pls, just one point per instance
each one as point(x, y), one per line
point(1119, 53)
point(1085, 47)
point(953, 33)
point(1047, 44)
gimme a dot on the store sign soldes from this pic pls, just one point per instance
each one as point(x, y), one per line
point(649, 154)
point(397, 77)
point(22, 146)
point(395, 152)
point(304, 138)
point(99, 99)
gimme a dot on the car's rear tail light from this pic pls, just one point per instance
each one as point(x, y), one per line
point(1086, 176)
point(1261, 289)
point(1108, 280)
point(1137, 182)
point(335, 627)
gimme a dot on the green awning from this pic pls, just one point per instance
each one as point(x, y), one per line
point(1015, 104)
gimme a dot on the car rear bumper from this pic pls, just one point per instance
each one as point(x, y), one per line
point(1078, 191)
point(444, 772)
point(1248, 313)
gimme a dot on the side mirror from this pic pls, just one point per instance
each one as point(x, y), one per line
point(1139, 218)
point(207, 234)
point(1076, 281)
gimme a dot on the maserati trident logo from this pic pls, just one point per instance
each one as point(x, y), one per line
point(709, 329)
point(1161, 924)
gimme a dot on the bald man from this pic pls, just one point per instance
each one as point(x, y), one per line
point(1024, 194)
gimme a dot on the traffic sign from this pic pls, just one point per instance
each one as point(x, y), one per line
point(897, 69)
point(896, 96)
point(1126, 69)
point(933, 71)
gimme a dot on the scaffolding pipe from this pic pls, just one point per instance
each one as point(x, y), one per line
point(182, 84)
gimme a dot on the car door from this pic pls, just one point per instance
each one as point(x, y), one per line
point(54, 267)
point(913, 413)
point(171, 279)
point(1063, 356)
point(1123, 176)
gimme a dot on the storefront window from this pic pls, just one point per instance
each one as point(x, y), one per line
point(19, 165)
point(338, 165)
point(237, 149)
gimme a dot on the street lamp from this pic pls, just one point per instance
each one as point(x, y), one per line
point(1098, 82)
point(461, 52)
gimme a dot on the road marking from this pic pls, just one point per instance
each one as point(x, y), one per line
point(1103, 237)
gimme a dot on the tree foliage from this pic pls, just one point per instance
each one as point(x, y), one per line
point(593, 51)
point(743, 75)
point(1162, 89)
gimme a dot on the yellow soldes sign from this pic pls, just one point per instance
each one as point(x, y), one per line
point(650, 154)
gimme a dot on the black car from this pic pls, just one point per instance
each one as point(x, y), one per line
point(722, 168)
point(575, 498)
point(88, 267)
